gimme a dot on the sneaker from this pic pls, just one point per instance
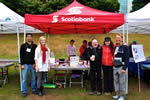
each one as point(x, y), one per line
point(107, 93)
point(121, 98)
point(34, 92)
point(91, 93)
point(24, 94)
point(40, 93)
point(116, 97)
point(99, 93)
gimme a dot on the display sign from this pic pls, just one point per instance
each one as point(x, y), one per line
point(74, 61)
point(138, 53)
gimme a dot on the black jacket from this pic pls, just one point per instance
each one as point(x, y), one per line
point(95, 65)
point(123, 52)
point(27, 57)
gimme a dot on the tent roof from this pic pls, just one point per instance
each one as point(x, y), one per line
point(140, 15)
point(9, 16)
point(76, 18)
point(138, 21)
point(10, 19)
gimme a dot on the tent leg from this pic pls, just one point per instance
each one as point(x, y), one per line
point(139, 77)
point(24, 33)
point(19, 56)
point(126, 81)
point(48, 41)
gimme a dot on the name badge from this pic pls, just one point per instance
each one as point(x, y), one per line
point(28, 50)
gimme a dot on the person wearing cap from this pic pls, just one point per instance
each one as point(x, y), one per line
point(94, 54)
point(121, 59)
point(107, 64)
point(71, 49)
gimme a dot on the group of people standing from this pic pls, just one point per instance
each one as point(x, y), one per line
point(111, 58)
point(34, 58)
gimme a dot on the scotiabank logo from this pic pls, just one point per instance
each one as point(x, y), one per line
point(55, 19)
point(72, 11)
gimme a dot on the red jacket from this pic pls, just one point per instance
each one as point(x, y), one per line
point(82, 49)
point(107, 56)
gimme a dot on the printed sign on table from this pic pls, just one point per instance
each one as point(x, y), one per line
point(74, 61)
point(138, 53)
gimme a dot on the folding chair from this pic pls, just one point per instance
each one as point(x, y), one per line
point(58, 74)
point(74, 76)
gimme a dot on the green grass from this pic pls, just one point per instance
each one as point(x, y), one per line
point(58, 44)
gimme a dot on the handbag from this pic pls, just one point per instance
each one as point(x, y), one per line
point(117, 60)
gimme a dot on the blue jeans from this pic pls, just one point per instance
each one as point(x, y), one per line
point(24, 78)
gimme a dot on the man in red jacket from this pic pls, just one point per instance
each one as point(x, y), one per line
point(82, 48)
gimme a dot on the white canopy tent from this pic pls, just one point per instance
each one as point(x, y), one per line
point(9, 19)
point(11, 22)
point(138, 21)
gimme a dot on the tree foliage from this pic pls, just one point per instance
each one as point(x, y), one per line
point(137, 4)
point(49, 6)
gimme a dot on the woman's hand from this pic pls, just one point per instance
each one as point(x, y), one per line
point(37, 68)
point(49, 68)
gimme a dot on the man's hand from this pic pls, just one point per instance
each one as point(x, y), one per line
point(92, 58)
point(22, 67)
point(33, 66)
point(123, 71)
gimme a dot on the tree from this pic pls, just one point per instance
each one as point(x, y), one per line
point(137, 4)
point(49, 6)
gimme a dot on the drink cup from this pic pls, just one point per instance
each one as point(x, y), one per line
point(93, 57)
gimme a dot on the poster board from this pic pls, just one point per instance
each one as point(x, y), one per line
point(74, 61)
point(138, 53)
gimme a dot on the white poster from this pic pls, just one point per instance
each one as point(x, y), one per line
point(74, 61)
point(138, 53)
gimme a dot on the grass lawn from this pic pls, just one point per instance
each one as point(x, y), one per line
point(58, 44)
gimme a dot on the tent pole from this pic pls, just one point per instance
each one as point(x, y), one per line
point(127, 33)
point(19, 56)
point(48, 36)
point(24, 33)
point(123, 34)
point(139, 77)
point(48, 41)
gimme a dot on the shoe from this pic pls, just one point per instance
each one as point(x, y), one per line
point(91, 93)
point(116, 97)
point(99, 93)
point(40, 93)
point(121, 98)
point(34, 92)
point(24, 94)
point(107, 93)
point(42, 88)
